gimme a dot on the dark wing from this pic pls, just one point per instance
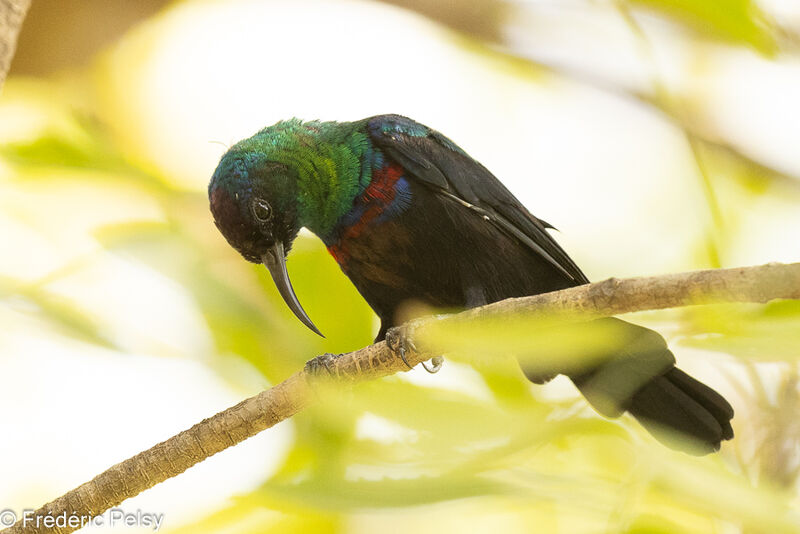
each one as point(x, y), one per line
point(436, 161)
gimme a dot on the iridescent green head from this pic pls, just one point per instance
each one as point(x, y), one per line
point(287, 176)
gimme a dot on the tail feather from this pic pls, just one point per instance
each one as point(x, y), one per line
point(639, 376)
point(707, 398)
point(675, 406)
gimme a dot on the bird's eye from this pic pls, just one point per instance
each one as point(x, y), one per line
point(262, 210)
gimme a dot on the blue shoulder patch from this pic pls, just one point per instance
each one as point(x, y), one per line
point(387, 124)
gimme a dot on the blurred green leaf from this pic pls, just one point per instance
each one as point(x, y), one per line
point(769, 332)
point(433, 410)
point(704, 488)
point(563, 342)
point(62, 313)
point(81, 143)
point(49, 150)
point(740, 21)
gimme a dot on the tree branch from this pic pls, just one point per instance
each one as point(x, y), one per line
point(251, 416)
point(12, 13)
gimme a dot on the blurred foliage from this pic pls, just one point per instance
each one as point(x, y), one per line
point(756, 332)
point(396, 450)
point(739, 21)
point(60, 312)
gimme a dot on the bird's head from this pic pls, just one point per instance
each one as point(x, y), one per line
point(254, 201)
point(288, 175)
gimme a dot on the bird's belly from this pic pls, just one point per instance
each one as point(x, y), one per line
point(390, 268)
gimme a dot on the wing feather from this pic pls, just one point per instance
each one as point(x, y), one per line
point(434, 160)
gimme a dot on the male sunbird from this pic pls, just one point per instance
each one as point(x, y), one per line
point(408, 215)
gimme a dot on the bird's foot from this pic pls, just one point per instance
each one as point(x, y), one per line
point(399, 339)
point(315, 366)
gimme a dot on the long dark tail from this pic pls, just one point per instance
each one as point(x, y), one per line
point(674, 402)
point(640, 377)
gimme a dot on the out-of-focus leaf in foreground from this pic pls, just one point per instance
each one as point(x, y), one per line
point(741, 21)
point(769, 332)
point(63, 314)
point(565, 342)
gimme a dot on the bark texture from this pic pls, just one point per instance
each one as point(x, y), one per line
point(251, 416)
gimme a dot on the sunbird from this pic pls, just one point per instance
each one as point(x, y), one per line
point(410, 216)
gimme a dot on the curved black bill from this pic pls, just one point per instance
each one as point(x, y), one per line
point(275, 261)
